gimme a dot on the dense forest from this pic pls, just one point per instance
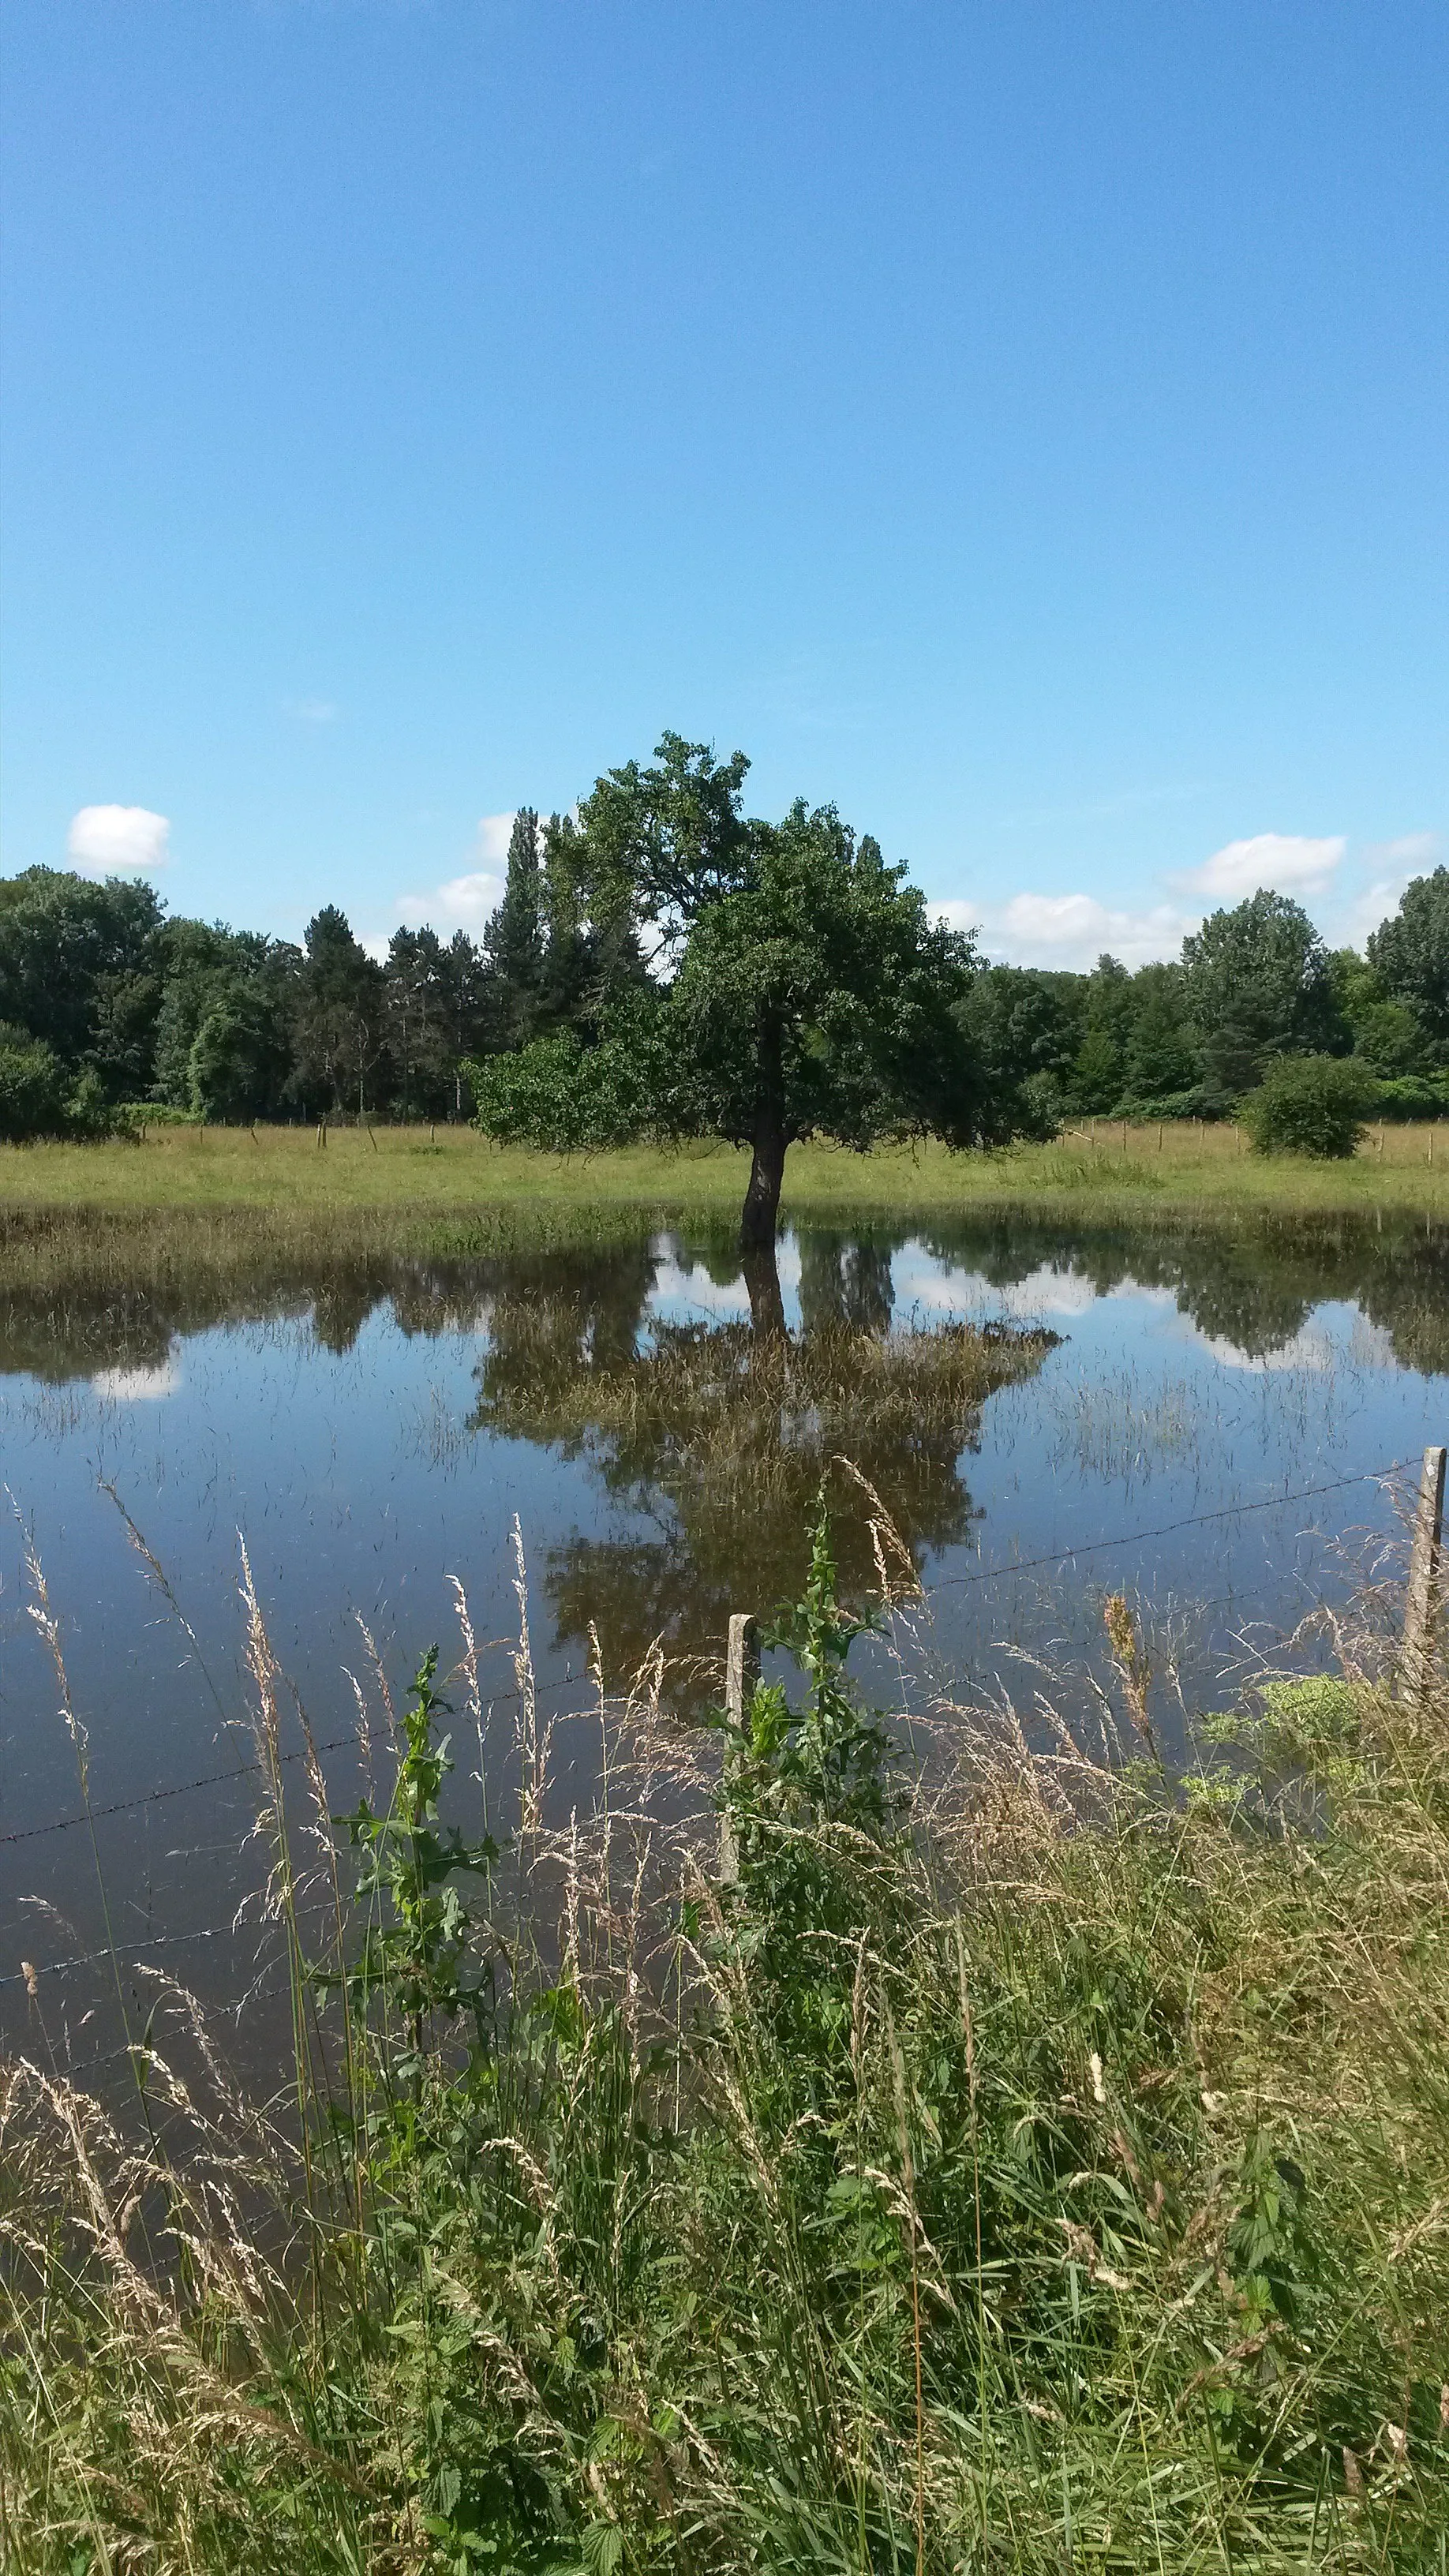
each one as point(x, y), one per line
point(107, 1004)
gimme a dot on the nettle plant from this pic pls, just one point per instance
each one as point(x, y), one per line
point(806, 1793)
point(416, 1948)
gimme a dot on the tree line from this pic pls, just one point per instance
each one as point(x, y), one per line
point(107, 1002)
point(662, 964)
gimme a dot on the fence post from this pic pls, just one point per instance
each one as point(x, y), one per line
point(1423, 1569)
point(742, 1671)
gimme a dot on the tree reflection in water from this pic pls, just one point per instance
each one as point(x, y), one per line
point(715, 1435)
point(719, 1434)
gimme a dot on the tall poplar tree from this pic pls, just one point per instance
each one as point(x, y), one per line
point(513, 944)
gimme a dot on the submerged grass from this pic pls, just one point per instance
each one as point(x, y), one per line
point(1038, 2163)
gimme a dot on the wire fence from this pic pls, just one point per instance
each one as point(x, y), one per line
point(92, 1815)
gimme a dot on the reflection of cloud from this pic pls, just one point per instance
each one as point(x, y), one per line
point(678, 1293)
point(1287, 861)
point(139, 1385)
point(118, 836)
point(1331, 1338)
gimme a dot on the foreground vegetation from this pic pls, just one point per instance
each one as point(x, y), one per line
point(1019, 2163)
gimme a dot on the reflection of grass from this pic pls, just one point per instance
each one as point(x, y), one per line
point(1112, 1428)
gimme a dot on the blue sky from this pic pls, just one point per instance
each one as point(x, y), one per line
point(1022, 424)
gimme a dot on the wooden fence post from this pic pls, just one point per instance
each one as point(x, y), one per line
point(742, 1671)
point(1423, 1571)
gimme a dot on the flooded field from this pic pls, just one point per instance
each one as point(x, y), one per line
point(1205, 1422)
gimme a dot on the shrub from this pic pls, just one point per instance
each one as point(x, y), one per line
point(89, 1115)
point(1308, 1104)
point(30, 1088)
point(1412, 1095)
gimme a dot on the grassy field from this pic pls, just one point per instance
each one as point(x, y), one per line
point(368, 1182)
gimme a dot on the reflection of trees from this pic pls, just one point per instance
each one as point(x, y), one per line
point(720, 1434)
point(79, 1293)
point(1254, 1286)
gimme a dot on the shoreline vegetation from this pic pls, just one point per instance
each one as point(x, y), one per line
point(107, 1248)
point(420, 1178)
point(1026, 2156)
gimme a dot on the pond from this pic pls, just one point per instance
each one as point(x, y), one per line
point(1201, 1419)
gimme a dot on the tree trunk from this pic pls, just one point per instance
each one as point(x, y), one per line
point(762, 1280)
point(762, 1198)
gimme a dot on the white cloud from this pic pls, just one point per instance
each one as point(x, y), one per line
point(1408, 856)
point(1288, 862)
point(1069, 929)
point(118, 836)
point(460, 903)
point(1394, 863)
point(314, 711)
point(465, 903)
point(494, 833)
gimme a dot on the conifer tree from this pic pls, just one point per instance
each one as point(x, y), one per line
point(513, 944)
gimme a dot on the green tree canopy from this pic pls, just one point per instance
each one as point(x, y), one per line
point(1410, 954)
point(1162, 1057)
point(513, 943)
point(810, 995)
point(341, 1029)
point(1259, 984)
point(81, 967)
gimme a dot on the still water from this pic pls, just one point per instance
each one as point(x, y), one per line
point(1200, 1421)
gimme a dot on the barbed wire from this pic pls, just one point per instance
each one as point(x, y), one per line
point(553, 1690)
point(1167, 1529)
point(118, 1950)
point(242, 1771)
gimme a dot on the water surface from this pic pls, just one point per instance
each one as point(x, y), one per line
point(1200, 1420)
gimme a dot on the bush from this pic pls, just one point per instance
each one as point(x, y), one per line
point(1413, 1095)
point(30, 1088)
point(559, 1095)
point(1309, 1104)
point(90, 1116)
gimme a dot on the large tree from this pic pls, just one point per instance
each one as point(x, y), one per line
point(341, 1029)
point(81, 967)
point(1258, 984)
point(1410, 954)
point(513, 943)
point(800, 988)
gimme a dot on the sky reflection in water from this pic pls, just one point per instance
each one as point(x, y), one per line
point(377, 1438)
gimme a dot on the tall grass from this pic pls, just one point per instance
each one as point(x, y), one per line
point(1033, 2158)
point(452, 1176)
